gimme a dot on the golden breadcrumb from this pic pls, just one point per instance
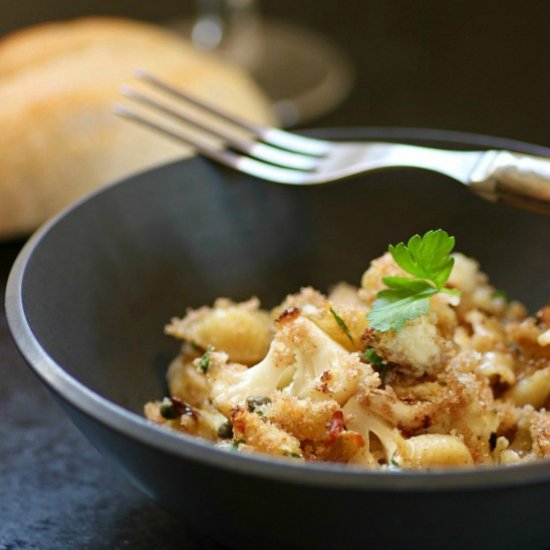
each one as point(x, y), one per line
point(467, 383)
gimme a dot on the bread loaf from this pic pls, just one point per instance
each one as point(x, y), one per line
point(59, 137)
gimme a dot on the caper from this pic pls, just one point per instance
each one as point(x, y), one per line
point(254, 402)
point(225, 431)
point(168, 409)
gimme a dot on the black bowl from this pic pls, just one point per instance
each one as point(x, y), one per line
point(89, 295)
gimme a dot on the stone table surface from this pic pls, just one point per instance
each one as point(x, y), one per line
point(471, 66)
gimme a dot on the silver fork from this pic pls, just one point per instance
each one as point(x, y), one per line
point(271, 154)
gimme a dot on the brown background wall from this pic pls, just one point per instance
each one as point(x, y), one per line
point(481, 66)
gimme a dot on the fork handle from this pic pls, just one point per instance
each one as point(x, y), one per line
point(515, 179)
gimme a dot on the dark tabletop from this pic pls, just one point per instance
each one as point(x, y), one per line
point(469, 65)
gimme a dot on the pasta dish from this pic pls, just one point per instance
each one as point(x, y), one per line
point(424, 365)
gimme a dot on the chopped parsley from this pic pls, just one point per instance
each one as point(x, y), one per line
point(500, 294)
point(203, 363)
point(340, 322)
point(393, 460)
point(428, 259)
point(237, 443)
point(294, 455)
point(379, 364)
point(372, 357)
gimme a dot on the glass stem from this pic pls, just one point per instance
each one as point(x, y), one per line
point(229, 27)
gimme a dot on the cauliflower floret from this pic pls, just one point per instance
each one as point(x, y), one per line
point(418, 346)
point(421, 451)
point(303, 360)
point(465, 275)
point(323, 368)
point(460, 403)
point(242, 330)
point(232, 384)
point(346, 295)
point(360, 419)
point(412, 413)
point(308, 301)
point(476, 292)
point(372, 283)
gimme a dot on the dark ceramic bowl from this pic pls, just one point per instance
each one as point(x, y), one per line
point(91, 291)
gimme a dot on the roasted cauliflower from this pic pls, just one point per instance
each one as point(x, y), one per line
point(424, 365)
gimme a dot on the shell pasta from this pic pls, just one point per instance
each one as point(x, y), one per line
point(462, 380)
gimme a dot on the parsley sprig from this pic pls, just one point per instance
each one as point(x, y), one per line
point(428, 259)
point(341, 323)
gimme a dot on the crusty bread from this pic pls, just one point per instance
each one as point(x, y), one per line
point(59, 137)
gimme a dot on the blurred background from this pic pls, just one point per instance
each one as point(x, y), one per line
point(457, 65)
point(461, 65)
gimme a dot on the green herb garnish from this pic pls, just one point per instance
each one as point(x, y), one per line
point(237, 443)
point(294, 455)
point(379, 364)
point(340, 322)
point(372, 357)
point(500, 294)
point(428, 259)
point(394, 461)
point(203, 363)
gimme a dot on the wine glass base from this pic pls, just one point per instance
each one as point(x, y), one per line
point(302, 72)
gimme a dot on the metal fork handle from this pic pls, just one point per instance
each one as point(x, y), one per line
point(515, 179)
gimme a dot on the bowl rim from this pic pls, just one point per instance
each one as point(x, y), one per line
point(325, 475)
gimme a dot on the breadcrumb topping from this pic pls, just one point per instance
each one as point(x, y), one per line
point(467, 383)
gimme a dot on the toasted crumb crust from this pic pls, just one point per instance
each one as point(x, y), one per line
point(466, 384)
point(302, 418)
point(261, 435)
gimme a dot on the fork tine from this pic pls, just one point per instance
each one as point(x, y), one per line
point(248, 146)
point(221, 155)
point(243, 164)
point(273, 136)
